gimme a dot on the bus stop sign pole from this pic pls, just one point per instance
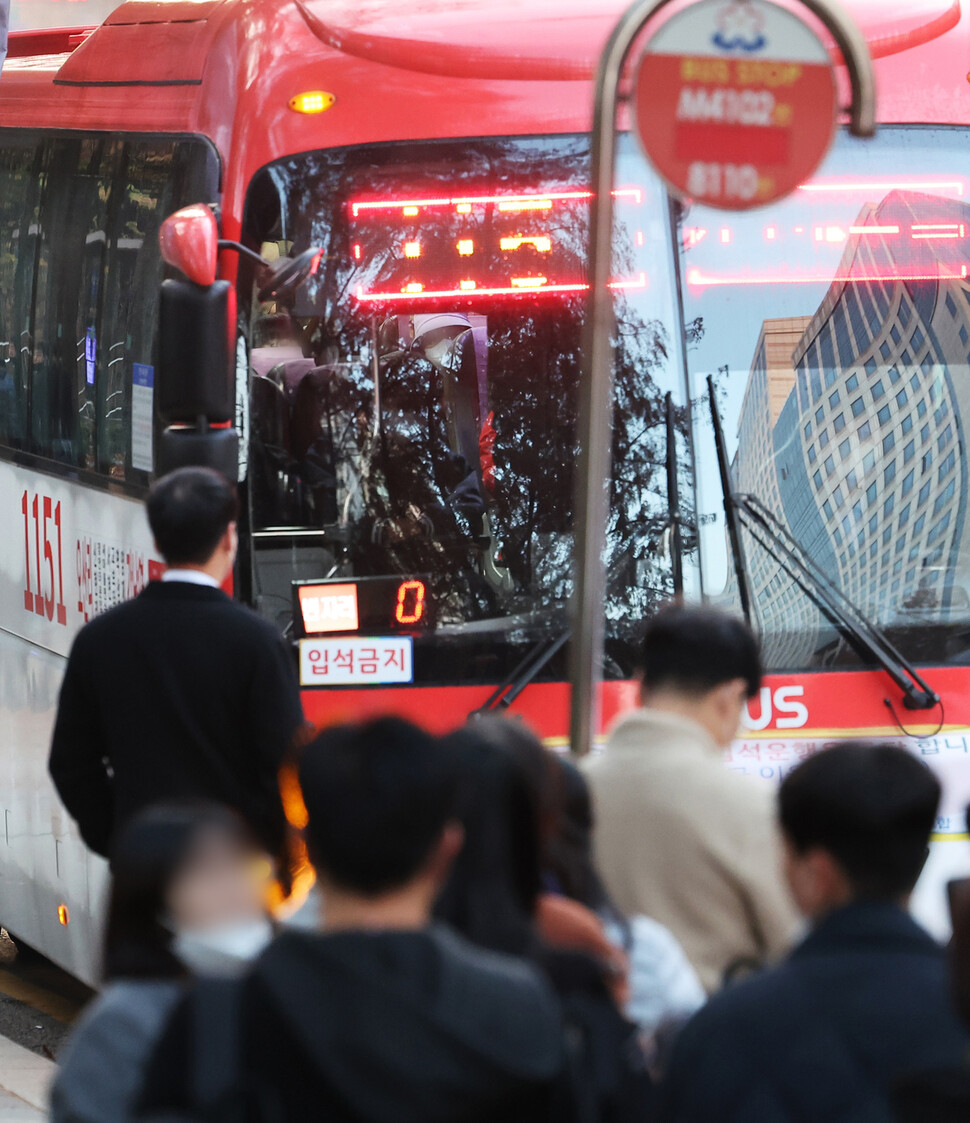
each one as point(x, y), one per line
point(596, 385)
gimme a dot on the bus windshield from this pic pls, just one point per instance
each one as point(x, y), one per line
point(412, 406)
point(837, 328)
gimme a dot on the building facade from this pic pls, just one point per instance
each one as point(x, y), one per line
point(855, 436)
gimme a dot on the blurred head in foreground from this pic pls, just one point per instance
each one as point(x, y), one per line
point(381, 831)
point(856, 820)
point(492, 893)
point(187, 894)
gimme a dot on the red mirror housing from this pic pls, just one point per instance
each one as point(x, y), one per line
point(189, 242)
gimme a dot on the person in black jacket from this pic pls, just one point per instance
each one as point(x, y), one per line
point(383, 1016)
point(942, 1095)
point(863, 1001)
point(179, 693)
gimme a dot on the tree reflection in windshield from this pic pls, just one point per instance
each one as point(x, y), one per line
point(429, 420)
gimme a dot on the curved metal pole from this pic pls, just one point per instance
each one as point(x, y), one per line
point(596, 391)
point(596, 385)
point(855, 54)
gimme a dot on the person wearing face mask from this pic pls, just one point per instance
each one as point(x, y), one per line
point(180, 693)
point(187, 899)
point(383, 1015)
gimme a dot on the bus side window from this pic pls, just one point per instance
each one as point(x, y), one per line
point(68, 348)
point(21, 183)
point(80, 275)
point(157, 176)
point(133, 275)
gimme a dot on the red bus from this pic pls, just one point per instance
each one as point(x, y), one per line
point(407, 412)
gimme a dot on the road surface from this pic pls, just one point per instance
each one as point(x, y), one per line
point(38, 1002)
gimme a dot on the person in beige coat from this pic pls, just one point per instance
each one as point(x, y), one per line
point(680, 838)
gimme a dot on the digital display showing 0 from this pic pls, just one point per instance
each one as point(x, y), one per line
point(363, 605)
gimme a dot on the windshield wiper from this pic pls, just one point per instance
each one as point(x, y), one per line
point(525, 672)
point(748, 511)
point(731, 509)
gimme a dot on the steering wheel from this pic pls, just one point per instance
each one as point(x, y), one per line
point(292, 274)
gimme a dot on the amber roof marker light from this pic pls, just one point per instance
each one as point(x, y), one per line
point(312, 101)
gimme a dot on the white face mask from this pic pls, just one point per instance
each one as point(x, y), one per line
point(225, 949)
point(442, 354)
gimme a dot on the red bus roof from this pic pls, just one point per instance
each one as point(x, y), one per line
point(398, 71)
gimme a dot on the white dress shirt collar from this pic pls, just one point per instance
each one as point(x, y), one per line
point(191, 577)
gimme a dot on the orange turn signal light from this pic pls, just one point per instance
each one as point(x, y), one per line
point(312, 101)
point(63, 915)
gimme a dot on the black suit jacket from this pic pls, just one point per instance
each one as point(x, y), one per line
point(180, 693)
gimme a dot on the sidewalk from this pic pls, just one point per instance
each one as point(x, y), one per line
point(13, 1110)
point(24, 1079)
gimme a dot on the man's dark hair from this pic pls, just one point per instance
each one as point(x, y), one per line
point(871, 807)
point(189, 511)
point(696, 649)
point(378, 797)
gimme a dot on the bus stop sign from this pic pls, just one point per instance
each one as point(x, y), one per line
point(735, 102)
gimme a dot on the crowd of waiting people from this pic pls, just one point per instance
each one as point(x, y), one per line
point(497, 934)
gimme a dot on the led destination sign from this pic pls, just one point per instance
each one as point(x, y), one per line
point(426, 247)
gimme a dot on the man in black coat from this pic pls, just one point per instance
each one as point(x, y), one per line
point(382, 1015)
point(863, 1002)
point(180, 692)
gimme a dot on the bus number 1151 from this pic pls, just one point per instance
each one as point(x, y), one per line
point(38, 592)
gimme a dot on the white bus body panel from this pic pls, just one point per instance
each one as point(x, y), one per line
point(99, 555)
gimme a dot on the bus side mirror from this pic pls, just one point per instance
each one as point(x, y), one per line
point(195, 378)
point(185, 446)
point(196, 394)
point(195, 388)
point(189, 241)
